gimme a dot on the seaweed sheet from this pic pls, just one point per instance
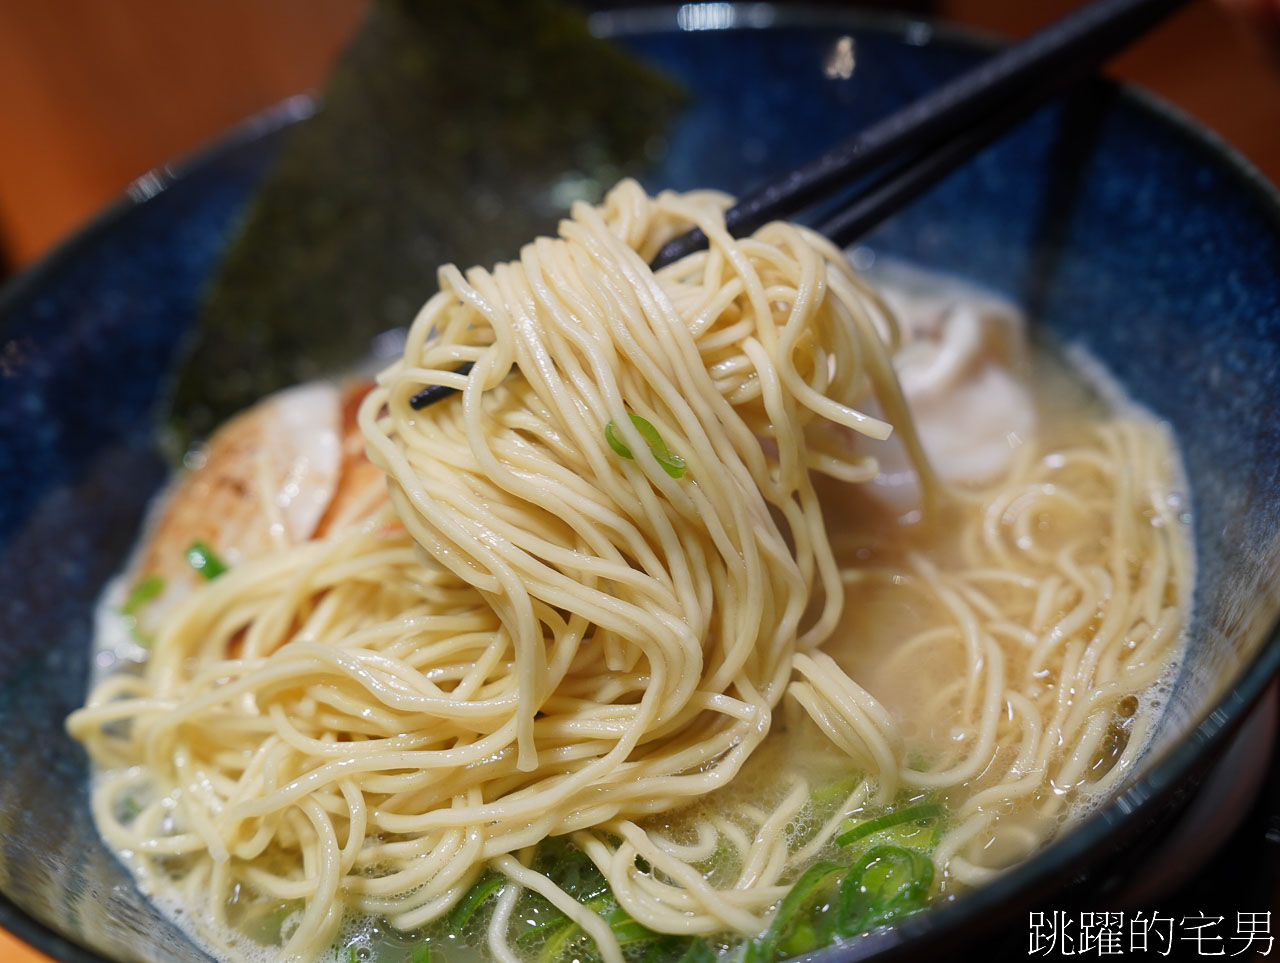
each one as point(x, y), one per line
point(448, 132)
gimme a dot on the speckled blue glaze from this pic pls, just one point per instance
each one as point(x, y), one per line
point(86, 343)
point(1119, 227)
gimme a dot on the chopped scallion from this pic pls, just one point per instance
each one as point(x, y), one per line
point(698, 952)
point(485, 887)
point(626, 930)
point(804, 920)
point(204, 560)
point(145, 590)
point(671, 463)
point(921, 815)
point(889, 882)
point(558, 942)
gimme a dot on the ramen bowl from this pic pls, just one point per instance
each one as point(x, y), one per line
point(1119, 226)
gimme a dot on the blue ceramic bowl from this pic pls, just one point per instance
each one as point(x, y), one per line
point(1118, 224)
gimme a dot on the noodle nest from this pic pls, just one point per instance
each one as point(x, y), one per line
point(590, 582)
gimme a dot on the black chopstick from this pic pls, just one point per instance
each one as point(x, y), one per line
point(1085, 37)
point(939, 131)
point(433, 393)
point(900, 186)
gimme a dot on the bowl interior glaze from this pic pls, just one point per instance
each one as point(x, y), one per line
point(1117, 225)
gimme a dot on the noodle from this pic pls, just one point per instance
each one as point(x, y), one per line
point(596, 580)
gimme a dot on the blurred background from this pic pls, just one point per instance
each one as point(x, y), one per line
point(94, 94)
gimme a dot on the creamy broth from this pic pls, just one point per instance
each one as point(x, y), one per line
point(891, 605)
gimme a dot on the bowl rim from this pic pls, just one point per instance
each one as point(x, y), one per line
point(1015, 886)
point(27, 283)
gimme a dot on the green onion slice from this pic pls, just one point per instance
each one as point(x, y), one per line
point(803, 921)
point(475, 896)
point(671, 463)
point(921, 814)
point(204, 560)
point(558, 942)
point(542, 928)
point(698, 952)
point(627, 930)
point(145, 590)
point(889, 882)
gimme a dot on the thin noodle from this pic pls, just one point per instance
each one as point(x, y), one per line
point(527, 633)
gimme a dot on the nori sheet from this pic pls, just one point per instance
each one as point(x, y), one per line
point(448, 132)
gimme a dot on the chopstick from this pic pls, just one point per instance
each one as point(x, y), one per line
point(1083, 38)
point(900, 186)
point(937, 132)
